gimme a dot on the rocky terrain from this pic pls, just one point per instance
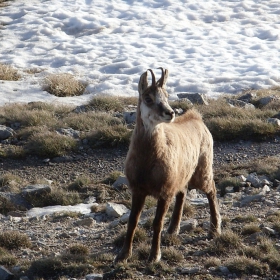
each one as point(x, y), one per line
point(51, 235)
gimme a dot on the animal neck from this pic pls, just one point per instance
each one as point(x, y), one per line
point(145, 125)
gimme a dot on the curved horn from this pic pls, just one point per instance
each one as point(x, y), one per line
point(153, 78)
point(161, 80)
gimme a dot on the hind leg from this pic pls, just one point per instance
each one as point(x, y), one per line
point(174, 225)
point(215, 219)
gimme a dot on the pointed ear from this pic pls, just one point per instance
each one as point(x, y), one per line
point(163, 79)
point(143, 83)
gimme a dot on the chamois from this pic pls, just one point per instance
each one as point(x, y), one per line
point(166, 156)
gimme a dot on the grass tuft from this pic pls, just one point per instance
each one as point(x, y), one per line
point(226, 242)
point(50, 144)
point(63, 85)
point(242, 265)
point(8, 73)
point(14, 240)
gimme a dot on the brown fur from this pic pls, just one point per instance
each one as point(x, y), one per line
point(163, 163)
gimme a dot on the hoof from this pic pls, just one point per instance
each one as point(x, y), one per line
point(121, 257)
point(155, 258)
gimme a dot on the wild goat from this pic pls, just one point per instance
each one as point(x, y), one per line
point(166, 156)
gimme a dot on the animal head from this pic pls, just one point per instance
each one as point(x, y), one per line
point(154, 105)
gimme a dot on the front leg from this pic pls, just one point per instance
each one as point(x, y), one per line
point(136, 208)
point(162, 208)
point(174, 225)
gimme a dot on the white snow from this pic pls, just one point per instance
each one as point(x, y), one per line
point(211, 47)
point(82, 208)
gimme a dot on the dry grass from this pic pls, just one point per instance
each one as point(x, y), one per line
point(14, 240)
point(8, 73)
point(50, 144)
point(227, 242)
point(63, 85)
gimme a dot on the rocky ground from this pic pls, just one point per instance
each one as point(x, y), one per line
point(51, 236)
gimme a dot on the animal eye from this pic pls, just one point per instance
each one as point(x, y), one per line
point(148, 100)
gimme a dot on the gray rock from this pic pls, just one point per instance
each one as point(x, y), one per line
point(199, 201)
point(241, 104)
point(24, 278)
point(5, 274)
point(94, 277)
point(254, 180)
point(196, 98)
point(62, 159)
point(224, 269)
point(190, 270)
point(87, 222)
point(69, 132)
point(266, 100)
point(35, 190)
point(16, 199)
point(115, 210)
point(265, 190)
point(248, 97)
point(188, 225)
point(129, 117)
point(274, 121)
point(122, 180)
point(269, 231)
point(6, 132)
point(248, 199)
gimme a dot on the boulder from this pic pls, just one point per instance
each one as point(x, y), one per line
point(129, 117)
point(248, 97)
point(6, 132)
point(241, 104)
point(122, 180)
point(35, 190)
point(254, 180)
point(116, 210)
point(5, 274)
point(195, 98)
point(266, 100)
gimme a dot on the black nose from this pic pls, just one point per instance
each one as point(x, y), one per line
point(170, 113)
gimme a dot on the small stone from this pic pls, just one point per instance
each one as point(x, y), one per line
point(87, 222)
point(188, 225)
point(94, 277)
point(115, 210)
point(274, 121)
point(190, 270)
point(269, 231)
point(122, 180)
point(6, 132)
point(224, 269)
